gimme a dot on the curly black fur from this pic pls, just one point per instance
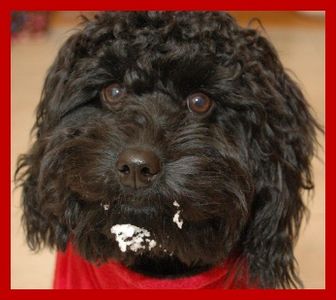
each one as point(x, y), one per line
point(237, 172)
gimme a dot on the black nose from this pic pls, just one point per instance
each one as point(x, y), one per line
point(138, 167)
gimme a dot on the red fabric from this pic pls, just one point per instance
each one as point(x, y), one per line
point(74, 272)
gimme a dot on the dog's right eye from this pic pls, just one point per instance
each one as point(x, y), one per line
point(112, 93)
point(199, 103)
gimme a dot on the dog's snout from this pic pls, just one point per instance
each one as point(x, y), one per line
point(137, 168)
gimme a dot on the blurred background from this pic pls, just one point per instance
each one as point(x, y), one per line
point(299, 38)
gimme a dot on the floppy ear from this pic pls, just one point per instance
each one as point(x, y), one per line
point(41, 226)
point(281, 148)
point(53, 93)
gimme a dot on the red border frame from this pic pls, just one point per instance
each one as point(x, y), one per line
point(7, 293)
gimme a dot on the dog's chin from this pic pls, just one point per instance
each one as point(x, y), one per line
point(171, 254)
point(159, 262)
point(167, 266)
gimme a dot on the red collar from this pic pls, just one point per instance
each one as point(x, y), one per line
point(74, 272)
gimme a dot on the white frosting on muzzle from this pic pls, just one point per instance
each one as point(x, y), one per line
point(177, 217)
point(132, 237)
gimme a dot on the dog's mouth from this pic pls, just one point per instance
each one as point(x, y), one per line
point(133, 231)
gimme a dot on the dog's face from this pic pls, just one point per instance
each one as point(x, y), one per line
point(170, 137)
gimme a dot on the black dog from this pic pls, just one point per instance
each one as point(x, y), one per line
point(170, 142)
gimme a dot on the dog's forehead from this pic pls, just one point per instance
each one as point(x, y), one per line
point(169, 41)
point(187, 74)
point(183, 50)
point(186, 71)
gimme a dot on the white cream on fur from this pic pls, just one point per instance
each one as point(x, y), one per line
point(177, 217)
point(131, 236)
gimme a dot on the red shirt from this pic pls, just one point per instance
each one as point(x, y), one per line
point(74, 272)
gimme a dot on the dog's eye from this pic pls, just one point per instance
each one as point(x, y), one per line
point(199, 103)
point(113, 92)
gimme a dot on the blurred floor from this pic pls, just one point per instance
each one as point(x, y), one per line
point(299, 38)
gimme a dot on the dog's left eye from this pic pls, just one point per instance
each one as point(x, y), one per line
point(112, 93)
point(199, 103)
